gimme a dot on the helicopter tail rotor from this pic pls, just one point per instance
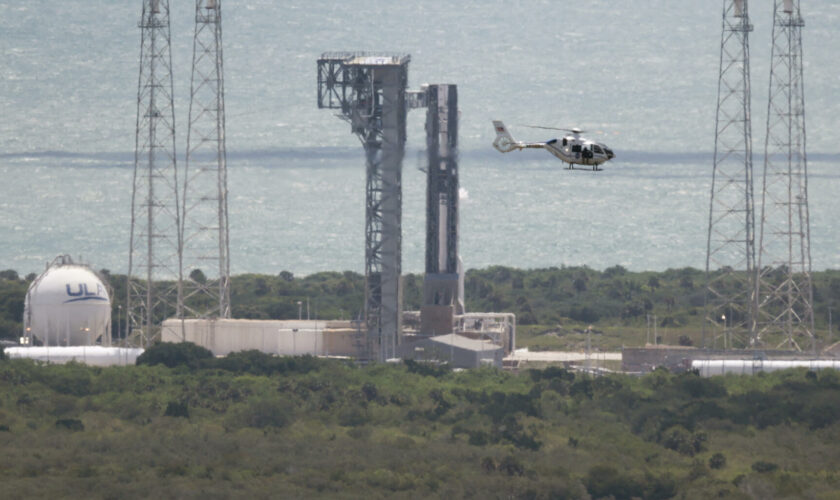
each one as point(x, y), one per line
point(504, 143)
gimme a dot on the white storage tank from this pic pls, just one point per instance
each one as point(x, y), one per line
point(67, 305)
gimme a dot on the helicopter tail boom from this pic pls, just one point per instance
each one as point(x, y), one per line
point(505, 143)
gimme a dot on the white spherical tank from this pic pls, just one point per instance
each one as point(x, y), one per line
point(68, 305)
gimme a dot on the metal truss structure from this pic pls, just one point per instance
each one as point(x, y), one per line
point(441, 284)
point(730, 254)
point(155, 220)
point(204, 290)
point(784, 284)
point(370, 91)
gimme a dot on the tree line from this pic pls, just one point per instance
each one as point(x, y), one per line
point(540, 298)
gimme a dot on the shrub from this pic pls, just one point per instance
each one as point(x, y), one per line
point(820, 417)
point(198, 276)
point(266, 412)
point(370, 392)
point(10, 329)
point(682, 441)
point(177, 409)
point(698, 387)
point(361, 433)
point(72, 378)
point(659, 488)
point(477, 438)
point(511, 466)
point(70, 424)
point(9, 275)
point(584, 314)
point(352, 416)
point(260, 363)
point(605, 480)
point(616, 270)
point(551, 373)
point(761, 466)
point(426, 369)
point(717, 461)
point(175, 354)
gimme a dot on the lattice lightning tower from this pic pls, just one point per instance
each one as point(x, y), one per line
point(205, 264)
point(784, 260)
point(155, 222)
point(730, 257)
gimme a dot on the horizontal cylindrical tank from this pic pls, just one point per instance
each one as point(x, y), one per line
point(89, 355)
point(711, 367)
point(67, 305)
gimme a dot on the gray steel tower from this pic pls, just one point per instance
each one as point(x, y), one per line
point(730, 254)
point(155, 222)
point(205, 264)
point(370, 91)
point(442, 295)
point(784, 261)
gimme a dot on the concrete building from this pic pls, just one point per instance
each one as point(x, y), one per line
point(457, 350)
point(281, 337)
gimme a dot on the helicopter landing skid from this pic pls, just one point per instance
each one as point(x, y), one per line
point(595, 168)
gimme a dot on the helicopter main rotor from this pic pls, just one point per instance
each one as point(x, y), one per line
point(573, 130)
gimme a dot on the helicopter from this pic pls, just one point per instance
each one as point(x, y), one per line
point(572, 148)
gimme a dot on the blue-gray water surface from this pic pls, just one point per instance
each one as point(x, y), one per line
point(641, 75)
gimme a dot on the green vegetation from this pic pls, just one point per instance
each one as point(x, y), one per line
point(185, 425)
point(12, 294)
point(553, 306)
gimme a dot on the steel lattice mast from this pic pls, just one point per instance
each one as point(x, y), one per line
point(204, 245)
point(784, 274)
point(155, 222)
point(730, 255)
point(370, 91)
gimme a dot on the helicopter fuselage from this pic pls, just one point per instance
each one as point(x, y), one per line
point(575, 150)
point(571, 148)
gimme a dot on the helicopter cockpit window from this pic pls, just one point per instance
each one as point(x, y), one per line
point(596, 148)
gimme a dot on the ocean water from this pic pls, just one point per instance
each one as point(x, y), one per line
point(641, 75)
